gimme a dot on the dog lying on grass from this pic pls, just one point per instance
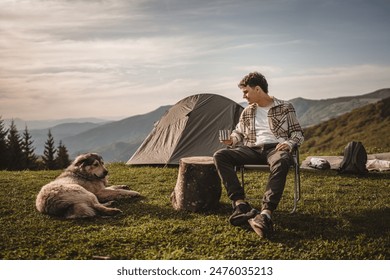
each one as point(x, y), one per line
point(81, 191)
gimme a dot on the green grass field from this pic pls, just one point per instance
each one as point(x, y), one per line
point(339, 217)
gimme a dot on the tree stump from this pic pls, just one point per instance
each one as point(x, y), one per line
point(198, 186)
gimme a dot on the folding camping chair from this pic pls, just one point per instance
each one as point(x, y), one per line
point(297, 178)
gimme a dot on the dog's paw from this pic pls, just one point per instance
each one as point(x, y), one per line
point(109, 203)
point(134, 194)
point(120, 187)
point(114, 211)
point(117, 211)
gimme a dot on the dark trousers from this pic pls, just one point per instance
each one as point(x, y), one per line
point(279, 162)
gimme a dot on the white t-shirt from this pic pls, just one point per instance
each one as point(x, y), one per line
point(263, 132)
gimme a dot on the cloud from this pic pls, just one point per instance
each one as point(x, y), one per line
point(137, 55)
point(330, 82)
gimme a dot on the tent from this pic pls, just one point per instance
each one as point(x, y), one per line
point(188, 128)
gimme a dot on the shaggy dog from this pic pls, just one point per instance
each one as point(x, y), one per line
point(80, 191)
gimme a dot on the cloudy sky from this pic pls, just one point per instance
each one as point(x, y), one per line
point(118, 58)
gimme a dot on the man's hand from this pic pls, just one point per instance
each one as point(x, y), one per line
point(282, 147)
point(227, 142)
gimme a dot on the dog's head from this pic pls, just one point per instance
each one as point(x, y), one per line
point(90, 165)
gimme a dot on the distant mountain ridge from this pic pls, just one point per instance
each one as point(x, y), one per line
point(312, 112)
point(125, 135)
point(118, 140)
point(369, 124)
point(59, 132)
point(45, 124)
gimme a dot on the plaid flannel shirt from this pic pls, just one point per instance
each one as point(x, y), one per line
point(282, 120)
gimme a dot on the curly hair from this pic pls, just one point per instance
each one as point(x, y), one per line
point(254, 79)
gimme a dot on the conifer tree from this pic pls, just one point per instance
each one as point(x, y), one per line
point(3, 146)
point(14, 149)
point(62, 159)
point(29, 159)
point(49, 152)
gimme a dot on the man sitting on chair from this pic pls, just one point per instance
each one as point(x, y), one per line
point(267, 132)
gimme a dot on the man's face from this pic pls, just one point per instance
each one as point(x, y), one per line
point(250, 94)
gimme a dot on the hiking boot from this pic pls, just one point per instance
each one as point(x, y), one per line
point(242, 213)
point(262, 225)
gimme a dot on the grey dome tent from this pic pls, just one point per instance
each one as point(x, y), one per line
point(188, 128)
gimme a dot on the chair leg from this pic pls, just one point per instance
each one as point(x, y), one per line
point(242, 176)
point(298, 176)
point(298, 179)
point(297, 183)
point(296, 194)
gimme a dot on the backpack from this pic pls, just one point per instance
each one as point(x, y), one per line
point(355, 159)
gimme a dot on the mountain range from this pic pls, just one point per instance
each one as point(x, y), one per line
point(369, 124)
point(311, 112)
point(118, 140)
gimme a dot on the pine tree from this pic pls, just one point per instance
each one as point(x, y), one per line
point(14, 149)
point(3, 146)
point(62, 159)
point(29, 159)
point(49, 152)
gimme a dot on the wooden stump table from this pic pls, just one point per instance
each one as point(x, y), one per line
point(198, 186)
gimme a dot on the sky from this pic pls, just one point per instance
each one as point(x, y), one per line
point(119, 58)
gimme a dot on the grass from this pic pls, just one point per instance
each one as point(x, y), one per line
point(339, 217)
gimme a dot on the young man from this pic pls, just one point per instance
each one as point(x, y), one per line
point(267, 131)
